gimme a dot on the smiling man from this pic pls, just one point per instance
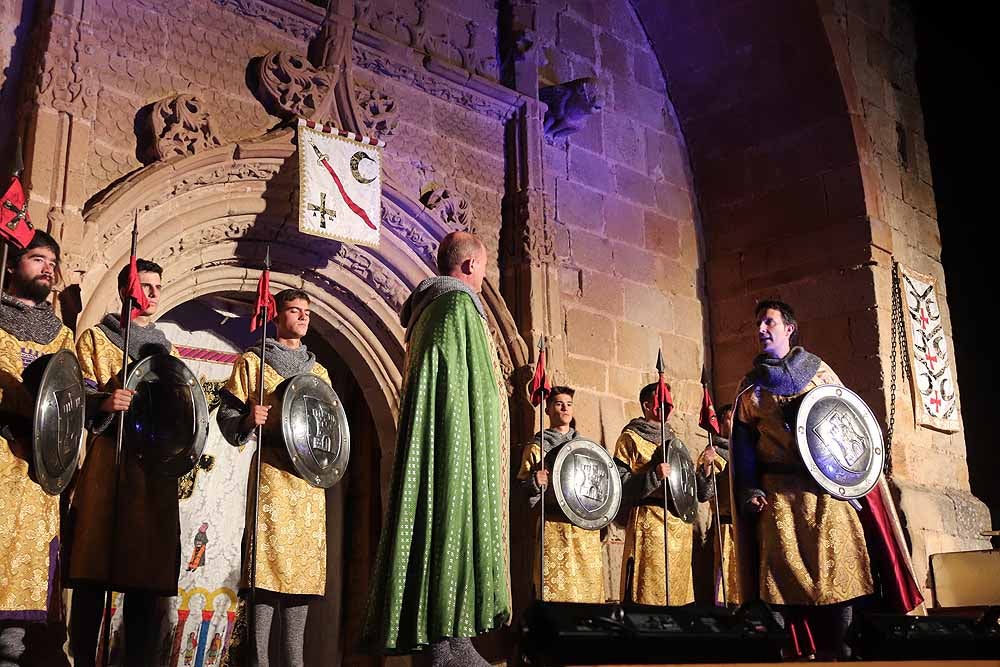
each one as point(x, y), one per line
point(145, 561)
point(813, 560)
point(29, 518)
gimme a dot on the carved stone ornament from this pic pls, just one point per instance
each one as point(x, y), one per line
point(415, 34)
point(289, 86)
point(569, 105)
point(180, 125)
point(268, 12)
point(452, 208)
point(379, 113)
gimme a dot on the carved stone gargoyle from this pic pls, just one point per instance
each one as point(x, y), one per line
point(569, 105)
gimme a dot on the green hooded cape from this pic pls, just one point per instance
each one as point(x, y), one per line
point(440, 570)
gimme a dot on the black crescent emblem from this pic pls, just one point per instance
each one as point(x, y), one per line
point(356, 160)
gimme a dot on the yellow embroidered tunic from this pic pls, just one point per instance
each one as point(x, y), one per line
point(811, 546)
point(574, 563)
point(29, 517)
point(724, 562)
point(644, 536)
point(291, 545)
point(146, 542)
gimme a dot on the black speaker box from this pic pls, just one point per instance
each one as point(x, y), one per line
point(876, 636)
point(566, 633)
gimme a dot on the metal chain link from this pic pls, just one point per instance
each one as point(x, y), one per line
point(898, 347)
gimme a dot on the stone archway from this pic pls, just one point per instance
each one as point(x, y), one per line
point(207, 218)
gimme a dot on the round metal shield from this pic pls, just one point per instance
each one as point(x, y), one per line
point(167, 423)
point(840, 441)
point(314, 427)
point(682, 481)
point(58, 422)
point(586, 484)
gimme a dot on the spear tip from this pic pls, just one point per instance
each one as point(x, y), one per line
point(541, 343)
point(704, 375)
point(18, 158)
point(660, 366)
point(267, 257)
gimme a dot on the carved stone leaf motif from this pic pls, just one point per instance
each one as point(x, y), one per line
point(452, 208)
point(180, 125)
point(291, 87)
point(379, 113)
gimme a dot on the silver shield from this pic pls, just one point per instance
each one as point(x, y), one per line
point(58, 422)
point(167, 424)
point(586, 484)
point(682, 481)
point(840, 441)
point(315, 430)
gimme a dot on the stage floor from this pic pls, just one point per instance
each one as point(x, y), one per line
point(858, 663)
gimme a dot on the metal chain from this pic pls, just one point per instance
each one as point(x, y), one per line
point(898, 347)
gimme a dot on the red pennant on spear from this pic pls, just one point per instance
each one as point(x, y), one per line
point(709, 420)
point(662, 395)
point(540, 385)
point(15, 225)
point(133, 290)
point(265, 308)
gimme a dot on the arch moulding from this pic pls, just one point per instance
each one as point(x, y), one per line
point(207, 218)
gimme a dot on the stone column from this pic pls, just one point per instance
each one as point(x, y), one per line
point(60, 108)
point(874, 48)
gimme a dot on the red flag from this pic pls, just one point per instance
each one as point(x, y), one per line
point(540, 385)
point(266, 308)
point(15, 226)
point(662, 397)
point(709, 420)
point(134, 289)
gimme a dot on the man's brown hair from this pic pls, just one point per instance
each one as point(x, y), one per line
point(284, 296)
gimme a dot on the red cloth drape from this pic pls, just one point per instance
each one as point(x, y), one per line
point(900, 591)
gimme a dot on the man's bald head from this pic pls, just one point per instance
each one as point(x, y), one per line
point(455, 248)
point(462, 255)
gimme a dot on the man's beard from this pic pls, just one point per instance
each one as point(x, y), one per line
point(36, 289)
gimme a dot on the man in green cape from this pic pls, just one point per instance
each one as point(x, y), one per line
point(441, 572)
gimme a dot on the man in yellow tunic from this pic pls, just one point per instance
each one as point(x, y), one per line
point(29, 518)
point(291, 537)
point(144, 554)
point(640, 457)
point(810, 550)
point(574, 566)
point(725, 555)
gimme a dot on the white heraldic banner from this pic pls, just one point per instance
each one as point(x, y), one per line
point(340, 184)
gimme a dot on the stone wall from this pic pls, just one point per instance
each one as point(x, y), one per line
point(15, 18)
point(626, 233)
point(875, 47)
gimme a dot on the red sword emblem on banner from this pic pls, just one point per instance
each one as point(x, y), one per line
point(360, 212)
